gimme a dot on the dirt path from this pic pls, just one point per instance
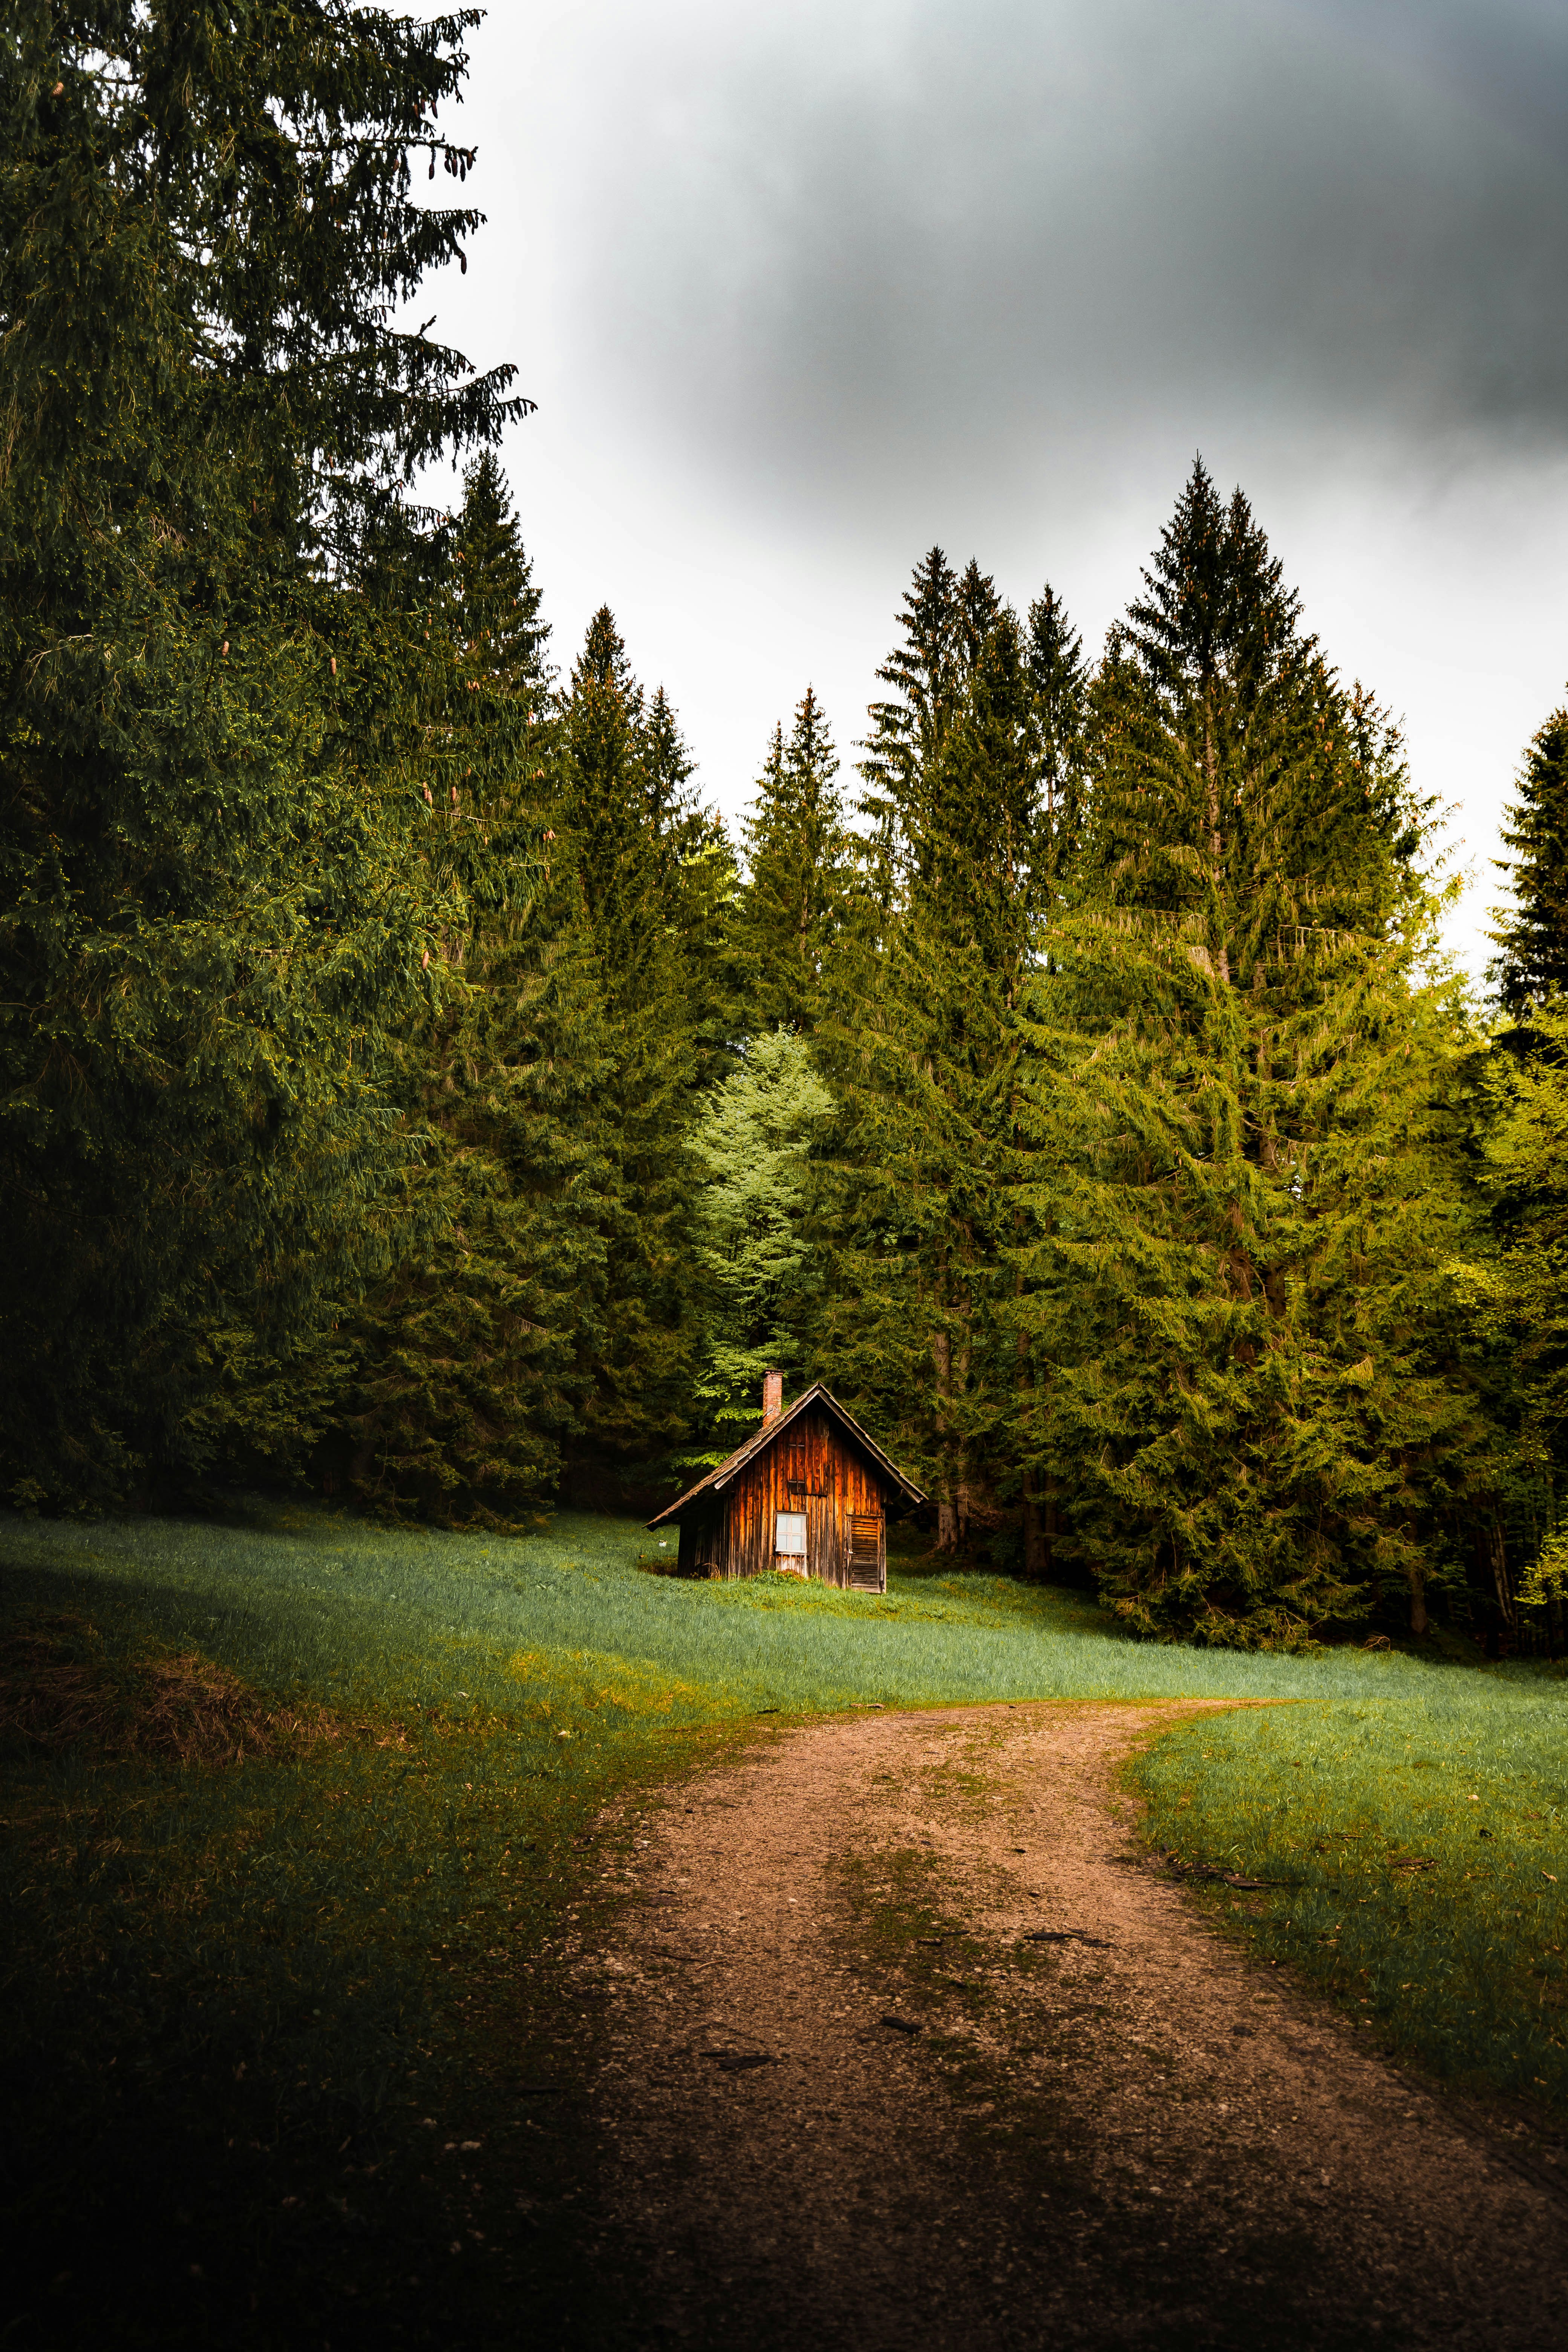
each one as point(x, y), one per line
point(1129, 2136)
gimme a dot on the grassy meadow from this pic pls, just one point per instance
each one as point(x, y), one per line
point(1413, 1837)
point(302, 1816)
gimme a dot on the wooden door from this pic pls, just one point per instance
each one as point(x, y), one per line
point(814, 1472)
point(819, 1533)
point(867, 1563)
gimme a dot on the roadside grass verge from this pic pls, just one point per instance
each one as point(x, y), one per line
point(302, 1818)
point(1415, 1840)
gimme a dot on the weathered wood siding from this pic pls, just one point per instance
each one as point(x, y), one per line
point(812, 1467)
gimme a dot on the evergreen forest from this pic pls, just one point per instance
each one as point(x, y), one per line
point(417, 1092)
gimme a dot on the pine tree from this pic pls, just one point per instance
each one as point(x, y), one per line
point(797, 851)
point(1533, 939)
point(1246, 1135)
point(469, 1382)
point(496, 606)
point(923, 677)
point(668, 769)
point(1526, 1103)
point(466, 1381)
point(1520, 1545)
point(217, 921)
point(1216, 607)
point(922, 1052)
point(700, 882)
point(635, 844)
point(1059, 679)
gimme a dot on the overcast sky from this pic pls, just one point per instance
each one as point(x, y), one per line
point(801, 289)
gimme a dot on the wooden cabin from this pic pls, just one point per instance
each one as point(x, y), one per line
point(810, 1493)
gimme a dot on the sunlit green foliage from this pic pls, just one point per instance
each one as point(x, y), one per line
point(760, 1267)
point(923, 1047)
point(1517, 1295)
point(1532, 940)
point(370, 997)
point(1247, 1142)
point(1523, 1122)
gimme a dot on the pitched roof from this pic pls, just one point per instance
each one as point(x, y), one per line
point(717, 1480)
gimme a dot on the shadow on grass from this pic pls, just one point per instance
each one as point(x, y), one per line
point(291, 2047)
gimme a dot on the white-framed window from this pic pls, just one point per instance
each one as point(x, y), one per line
point(789, 1536)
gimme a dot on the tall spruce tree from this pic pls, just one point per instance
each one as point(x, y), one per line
point(465, 1380)
point(1525, 1105)
point(797, 850)
point(1246, 1180)
point(1059, 680)
point(922, 1048)
point(655, 873)
point(923, 676)
point(1532, 940)
point(216, 918)
point(1521, 1307)
point(700, 884)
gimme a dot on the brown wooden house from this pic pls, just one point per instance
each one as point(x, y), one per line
point(809, 1493)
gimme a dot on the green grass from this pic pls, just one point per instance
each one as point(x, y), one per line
point(252, 2012)
point(308, 1602)
point(1461, 1962)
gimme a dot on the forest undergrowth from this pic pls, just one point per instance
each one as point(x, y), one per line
point(301, 1814)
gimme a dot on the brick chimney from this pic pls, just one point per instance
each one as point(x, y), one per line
point(772, 1396)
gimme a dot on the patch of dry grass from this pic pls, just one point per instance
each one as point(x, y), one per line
point(61, 1689)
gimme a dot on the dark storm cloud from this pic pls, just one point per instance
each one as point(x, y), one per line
point(843, 243)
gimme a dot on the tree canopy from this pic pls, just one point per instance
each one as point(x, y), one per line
point(413, 1088)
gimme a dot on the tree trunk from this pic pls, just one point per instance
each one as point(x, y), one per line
point(946, 1515)
point(1267, 1150)
point(1211, 811)
point(1037, 1540)
point(1491, 1557)
point(961, 1484)
point(1497, 1556)
point(1417, 1602)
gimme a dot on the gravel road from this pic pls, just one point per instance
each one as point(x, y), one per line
point(908, 2050)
